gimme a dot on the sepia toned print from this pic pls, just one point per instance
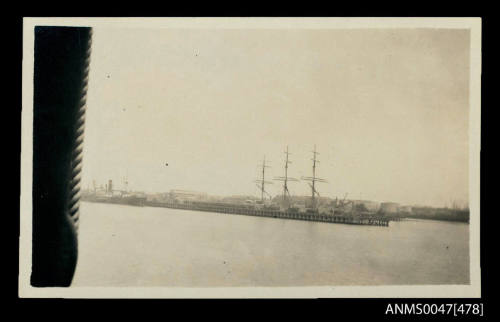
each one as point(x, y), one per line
point(330, 158)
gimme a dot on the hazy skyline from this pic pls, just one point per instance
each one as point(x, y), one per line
point(387, 109)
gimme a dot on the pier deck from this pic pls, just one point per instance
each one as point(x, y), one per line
point(236, 210)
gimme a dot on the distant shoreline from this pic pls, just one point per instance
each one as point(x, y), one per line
point(459, 216)
point(434, 219)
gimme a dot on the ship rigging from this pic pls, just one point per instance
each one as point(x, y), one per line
point(262, 182)
point(286, 179)
point(313, 180)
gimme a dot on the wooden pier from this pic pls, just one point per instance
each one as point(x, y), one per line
point(371, 220)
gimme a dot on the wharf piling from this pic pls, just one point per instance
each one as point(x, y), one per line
point(248, 211)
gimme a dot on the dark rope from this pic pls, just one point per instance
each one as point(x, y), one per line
point(62, 56)
point(77, 155)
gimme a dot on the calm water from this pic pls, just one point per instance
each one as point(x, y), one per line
point(142, 246)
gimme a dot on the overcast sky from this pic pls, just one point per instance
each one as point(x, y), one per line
point(387, 109)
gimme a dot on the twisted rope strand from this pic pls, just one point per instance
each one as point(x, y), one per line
point(77, 155)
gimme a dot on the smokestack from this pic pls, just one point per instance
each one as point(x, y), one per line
point(110, 186)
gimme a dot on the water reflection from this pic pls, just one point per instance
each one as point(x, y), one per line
point(140, 246)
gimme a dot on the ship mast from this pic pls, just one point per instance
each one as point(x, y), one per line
point(285, 187)
point(285, 179)
point(261, 183)
point(314, 179)
point(124, 190)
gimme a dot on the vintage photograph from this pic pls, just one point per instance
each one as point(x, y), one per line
point(331, 157)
